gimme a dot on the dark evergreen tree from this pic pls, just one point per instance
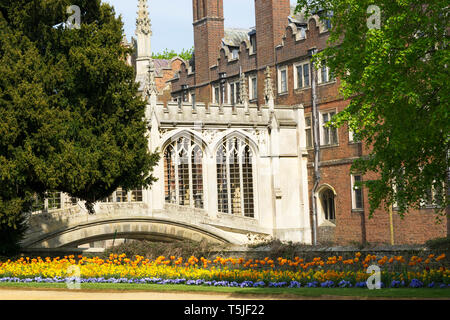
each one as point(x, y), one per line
point(71, 117)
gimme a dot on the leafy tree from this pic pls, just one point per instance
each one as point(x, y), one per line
point(397, 78)
point(72, 119)
point(186, 54)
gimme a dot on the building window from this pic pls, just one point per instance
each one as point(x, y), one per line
point(136, 195)
point(216, 94)
point(235, 188)
point(329, 135)
point(183, 173)
point(434, 197)
point(54, 200)
point(253, 88)
point(328, 206)
point(253, 43)
point(121, 195)
point(352, 137)
point(325, 75)
point(282, 80)
point(357, 195)
point(234, 93)
point(308, 131)
point(301, 75)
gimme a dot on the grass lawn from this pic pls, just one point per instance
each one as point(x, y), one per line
point(281, 292)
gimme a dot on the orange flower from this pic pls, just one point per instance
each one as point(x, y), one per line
point(442, 256)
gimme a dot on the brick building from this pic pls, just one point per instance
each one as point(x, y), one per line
point(247, 99)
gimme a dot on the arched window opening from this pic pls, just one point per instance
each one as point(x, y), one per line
point(235, 178)
point(183, 173)
point(328, 205)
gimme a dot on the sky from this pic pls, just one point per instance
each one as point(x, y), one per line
point(172, 20)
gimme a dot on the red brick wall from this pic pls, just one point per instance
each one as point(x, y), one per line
point(208, 34)
point(271, 17)
point(271, 22)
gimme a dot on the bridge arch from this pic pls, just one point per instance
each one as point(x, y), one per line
point(130, 228)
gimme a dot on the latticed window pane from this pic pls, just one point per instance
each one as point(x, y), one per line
point(235, 178)
point(222, 180)
point(197, 177)
point(121, 195)
point(183, 174)
point(247, 173)
point(169, 175)
point(136, 195)
point(183, 168)
point(54, 200)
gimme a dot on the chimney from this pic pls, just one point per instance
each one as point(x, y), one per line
point(208, 34)
point(271, 17)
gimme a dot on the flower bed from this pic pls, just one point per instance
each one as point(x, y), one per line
point(396, 272)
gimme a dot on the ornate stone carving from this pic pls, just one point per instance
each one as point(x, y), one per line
point(210, 135)
point(150, 83)
point(243, 89)
point(143, 24)
point(268, 86)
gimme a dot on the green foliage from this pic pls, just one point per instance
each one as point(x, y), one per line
point(152, 250)
point(72, 119)
point(186, 54)
point(396, 78)
point(10, 236)
point(439, 244)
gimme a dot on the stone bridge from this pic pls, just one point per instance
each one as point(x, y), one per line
point(73, 227)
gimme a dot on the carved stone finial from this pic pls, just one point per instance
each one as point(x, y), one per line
point(243, 89)
point(150, 82)
point(268, 85)
point(143, 24)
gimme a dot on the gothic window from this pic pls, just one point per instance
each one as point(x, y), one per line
point(328, 207)
point(235, 178)
point(183, 173)
point(357, 195)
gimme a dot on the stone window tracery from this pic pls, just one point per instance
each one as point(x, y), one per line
point(183, 173)
point(235, 189)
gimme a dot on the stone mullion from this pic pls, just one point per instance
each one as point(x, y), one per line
point(241, 179)
point(177, 186)
point(191, 185)
point(227, 162)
